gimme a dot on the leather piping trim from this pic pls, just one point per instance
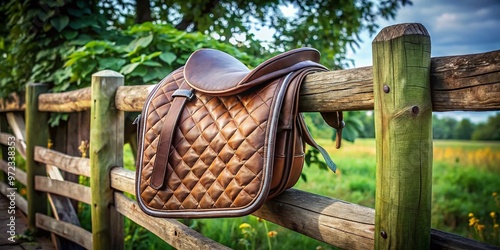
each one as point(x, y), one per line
point(265, 186)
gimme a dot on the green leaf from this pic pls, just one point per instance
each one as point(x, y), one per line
point(70, 34)
point(78, 24)
point(153, 55)
point(303, 176)
point(161, 72)
point(138, 59)
point(59, 22)
point(111, 63)
point(152, 63)
point(148, 77)
point(177, 38)
point(76, 12)
point(88, 67)
point(140, 42)
point(349, 133)
point(139, 71)
point(168, 57)
point(127, 69)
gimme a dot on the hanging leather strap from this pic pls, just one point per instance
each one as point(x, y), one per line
point(336, 121)
point(181, 96)
point(306, 136)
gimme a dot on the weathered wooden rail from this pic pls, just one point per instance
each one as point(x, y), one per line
point(403, 88)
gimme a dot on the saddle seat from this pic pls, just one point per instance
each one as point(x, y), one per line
point(208, 66)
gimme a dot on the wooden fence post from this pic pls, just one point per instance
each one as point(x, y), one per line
point(403, 116)
point(4, 128)
point(37, 133)
point(106, 151)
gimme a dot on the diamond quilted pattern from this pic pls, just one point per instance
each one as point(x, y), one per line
point(217, 155)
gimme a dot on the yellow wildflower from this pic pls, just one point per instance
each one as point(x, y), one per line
point(495, 194)
point(496, 226)
point(480, 227)
point(259, 219)
point(245, 225)
point(471, 215)
point(493, 215)
point(272, 234)
point(473, 221)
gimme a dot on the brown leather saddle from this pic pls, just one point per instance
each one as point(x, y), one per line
point(217, 140)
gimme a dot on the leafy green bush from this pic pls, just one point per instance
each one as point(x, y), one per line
point(144, 54)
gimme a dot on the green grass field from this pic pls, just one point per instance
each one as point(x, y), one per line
point(465, 175)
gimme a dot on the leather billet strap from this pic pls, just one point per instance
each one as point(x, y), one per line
point(181, 96)
point(336, 121)
point(306, 136)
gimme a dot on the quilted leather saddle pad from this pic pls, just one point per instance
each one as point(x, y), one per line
point(217, 140)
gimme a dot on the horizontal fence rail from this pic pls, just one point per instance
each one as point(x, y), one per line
point(466, 82)
point(71, 164)
point(352, 89)
point(65, 230)
point(336, 222)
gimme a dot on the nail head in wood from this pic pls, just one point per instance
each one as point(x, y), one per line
point(386, 89)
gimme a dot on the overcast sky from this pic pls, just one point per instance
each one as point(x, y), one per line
point(456, 27)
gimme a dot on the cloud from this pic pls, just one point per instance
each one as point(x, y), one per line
point(456, 27)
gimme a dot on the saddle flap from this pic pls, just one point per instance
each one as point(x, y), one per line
point(217, 73)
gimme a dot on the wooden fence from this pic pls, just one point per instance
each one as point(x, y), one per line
point(403, 87)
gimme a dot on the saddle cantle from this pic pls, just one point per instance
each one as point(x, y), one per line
point(217, 139)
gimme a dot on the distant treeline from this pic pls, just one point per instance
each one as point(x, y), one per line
point(361, 125)
point(450, 128)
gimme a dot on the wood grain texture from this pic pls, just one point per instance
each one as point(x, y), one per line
point(71, 101)
point(335, 222)
point(64, 188)
point(338, 223)
point(132, 98)
point(350, 89)
point(65, 230)
point(462, 82)
point(106, 151)
point(469, 82)
point(13, 102)
point(465, 82)
point(171, 231)
point(319, 217)
point(72, 164)
point(36, 135)
point(447, 241)
point(62, 209)
point(123, 180)
point(403, 129)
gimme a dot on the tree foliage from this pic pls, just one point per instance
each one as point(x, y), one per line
point(330, 26)
point(489, 130)
point(450, 128)
point(39, 36)
point(62, 43)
